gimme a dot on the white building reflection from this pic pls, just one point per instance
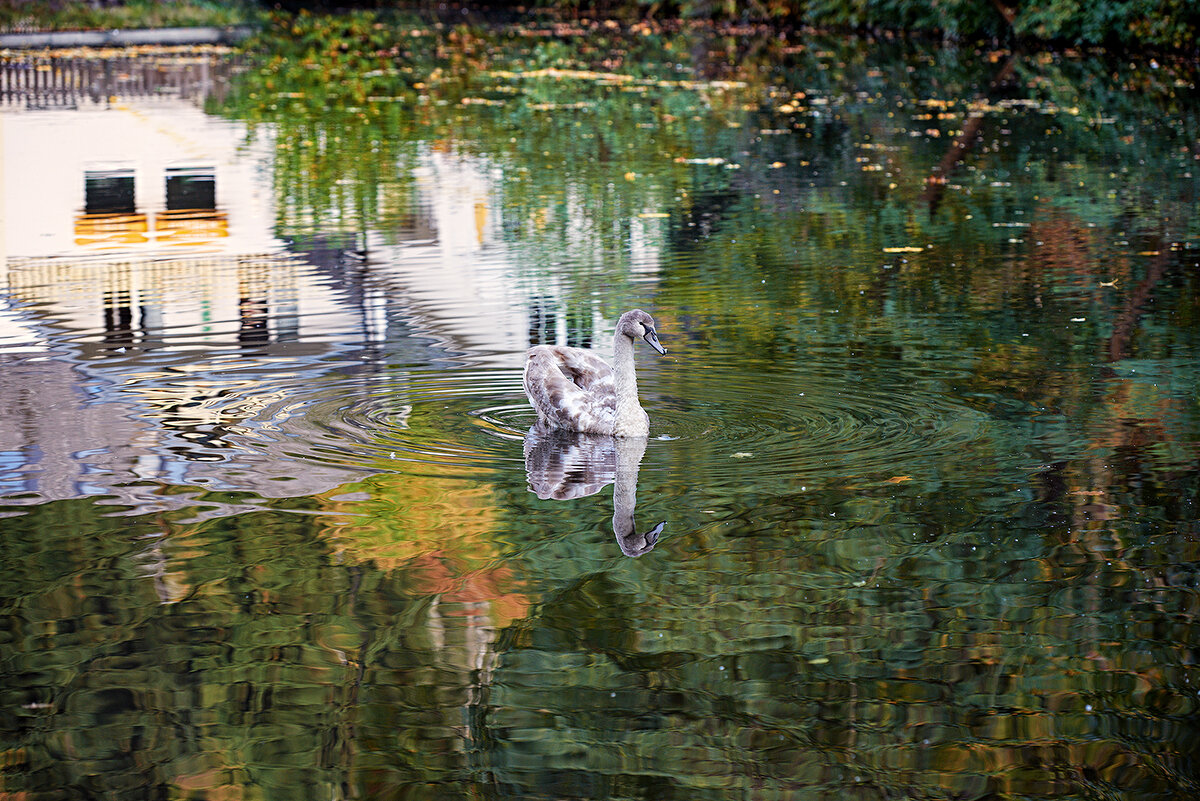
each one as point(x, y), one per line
point(465, 279)
point(138, 244)
point(125, 213)
point(138, 178)
point(134, 225)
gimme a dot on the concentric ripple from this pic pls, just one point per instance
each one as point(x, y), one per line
point(714, 424)
point(799, 423)
point(431, 421)
point(821, 421)
point(825, 424)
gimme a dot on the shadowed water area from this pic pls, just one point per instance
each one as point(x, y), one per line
point(916, 518)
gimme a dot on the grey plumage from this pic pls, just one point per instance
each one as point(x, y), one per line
point(574, 389)
point(571, 388)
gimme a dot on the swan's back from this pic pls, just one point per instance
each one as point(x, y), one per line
point(571, 388)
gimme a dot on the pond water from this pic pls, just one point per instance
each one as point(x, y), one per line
point(916, 518)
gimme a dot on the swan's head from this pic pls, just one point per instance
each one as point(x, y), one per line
point(637, 323)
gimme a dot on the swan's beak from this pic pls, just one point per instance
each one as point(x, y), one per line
point(651, 337)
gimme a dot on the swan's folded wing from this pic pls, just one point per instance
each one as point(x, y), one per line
point(587, 371)
point(571, 388)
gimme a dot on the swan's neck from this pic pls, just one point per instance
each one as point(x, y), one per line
point(631, 420)
point(629, 458)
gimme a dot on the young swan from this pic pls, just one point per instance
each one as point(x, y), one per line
point(575, 389)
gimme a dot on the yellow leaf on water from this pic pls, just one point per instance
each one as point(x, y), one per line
point(898, 479)
point(906, 249)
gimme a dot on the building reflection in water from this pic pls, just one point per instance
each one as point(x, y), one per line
point(134, 226)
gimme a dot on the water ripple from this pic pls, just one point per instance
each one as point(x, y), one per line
point(816, 421)
point(473, 418)
point(427, 419)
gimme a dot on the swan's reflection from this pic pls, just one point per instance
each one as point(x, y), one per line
point(568, 464)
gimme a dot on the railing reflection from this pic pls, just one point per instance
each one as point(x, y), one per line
point(212, 300)
point(40, 81)
point(564, 465)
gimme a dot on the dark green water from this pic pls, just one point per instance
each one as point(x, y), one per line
point(924, 445)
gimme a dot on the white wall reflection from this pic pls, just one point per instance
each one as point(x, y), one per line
point(144, 288)
point(123, 177)
point(137, 253)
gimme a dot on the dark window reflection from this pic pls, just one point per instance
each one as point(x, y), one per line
point(543, 323)
point(118, 320)
point(108, 192)
point(579, 328)
point(191, 188)
point(253, 306)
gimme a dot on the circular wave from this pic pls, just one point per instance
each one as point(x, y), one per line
point(820, 425)
point(735, 425)
point(432, 419)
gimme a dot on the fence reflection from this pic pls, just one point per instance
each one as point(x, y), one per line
point(44, 81)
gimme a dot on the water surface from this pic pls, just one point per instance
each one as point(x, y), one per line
point(916, 518)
